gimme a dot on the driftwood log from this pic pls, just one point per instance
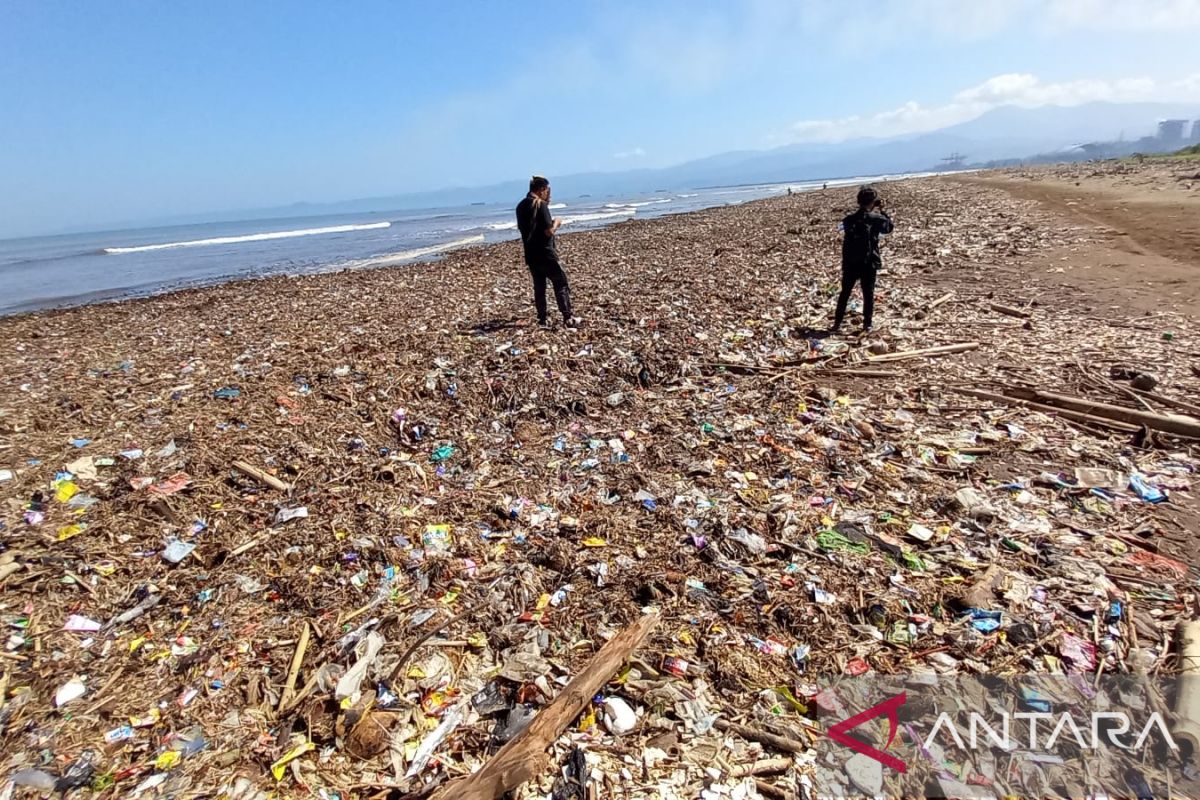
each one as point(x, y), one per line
point(525, 757)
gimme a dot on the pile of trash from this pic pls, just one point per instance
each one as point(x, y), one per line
point(349, 535)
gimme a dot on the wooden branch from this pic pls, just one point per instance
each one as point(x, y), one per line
point(943, 350)
point(783, 744)
point(1010, 311)
point(861, 373)
point(265, 478)
point(1170, 401)
point(248, 546)
point(525, 757)
point(943, 299)
point(1045, 409)
point(770, 790)
point(11, 568)
point(297, 659)
point(765, 766)
point(412, 648)
point(1168, 423)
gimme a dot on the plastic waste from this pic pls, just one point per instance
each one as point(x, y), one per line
point(141, 608)
point(985, 621)
point(367, 652)
point(176, 551)
point(289, 514)
point(1144, 490)
point(619, 718)
point(70, 691)
point(516, 720)
point(78, 774)
point(34, 779)
point(450, 721)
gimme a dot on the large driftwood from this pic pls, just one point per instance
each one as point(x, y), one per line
point(1170, 401)
point(945, 349)
point(1045, 409)
point(525, 757)
point(1168, 423)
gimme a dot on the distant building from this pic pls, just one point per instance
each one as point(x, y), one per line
point(1196, 131)
point(1171, 130)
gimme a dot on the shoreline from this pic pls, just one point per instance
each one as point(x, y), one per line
point(405, 257)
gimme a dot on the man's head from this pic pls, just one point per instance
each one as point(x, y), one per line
point(539, 187)
point(868, 198)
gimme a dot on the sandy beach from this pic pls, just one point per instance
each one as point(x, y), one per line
point(697, 447)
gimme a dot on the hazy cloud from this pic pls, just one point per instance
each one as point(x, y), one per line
point(1125, 15)
point(1020, 89)
point(636, 152)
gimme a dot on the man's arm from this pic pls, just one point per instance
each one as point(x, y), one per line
point(549, 224)
point(882, 221)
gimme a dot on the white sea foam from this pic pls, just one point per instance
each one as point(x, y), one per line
point(558, 205)
point(501, 226)
point(410, 255)
point(624, 212)
point(653, 202)
point(252, 237)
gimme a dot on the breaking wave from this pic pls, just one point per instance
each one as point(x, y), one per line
point(408, 255)
point(252, 237)
point(624, 212)
point(653, 202)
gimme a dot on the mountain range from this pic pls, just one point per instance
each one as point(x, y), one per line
point(1003, 133)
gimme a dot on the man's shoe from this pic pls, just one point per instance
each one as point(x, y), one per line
point(572, 322)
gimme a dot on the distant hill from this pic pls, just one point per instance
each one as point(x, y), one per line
point(1008, 132)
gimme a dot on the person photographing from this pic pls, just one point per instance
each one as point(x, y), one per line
point(861, 260)
point(538, 228)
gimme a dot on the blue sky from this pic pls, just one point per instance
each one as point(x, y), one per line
point(132, 110)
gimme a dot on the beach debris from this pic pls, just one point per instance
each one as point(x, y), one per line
point(348, 540)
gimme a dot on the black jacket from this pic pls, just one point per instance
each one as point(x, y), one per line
point(860, 245)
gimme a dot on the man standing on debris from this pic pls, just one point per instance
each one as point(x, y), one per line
point(860, 253)
point(537, 228)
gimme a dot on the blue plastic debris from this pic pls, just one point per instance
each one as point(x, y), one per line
point(1151, 494)
point(985, 621)
point(1035, 700)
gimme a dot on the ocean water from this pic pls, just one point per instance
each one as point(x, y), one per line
point(76, 269)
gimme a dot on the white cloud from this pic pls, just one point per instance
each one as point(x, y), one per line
point(1019, 89)
point(1026, 90)
point(636, 152)
point(1124, 15)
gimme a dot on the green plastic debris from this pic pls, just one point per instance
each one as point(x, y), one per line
point(832, 540)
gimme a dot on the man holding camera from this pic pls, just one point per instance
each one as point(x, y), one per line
point(861, 260)
point(538, 228)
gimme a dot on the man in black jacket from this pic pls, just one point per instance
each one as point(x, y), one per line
point(537, 228)
point(860, 253)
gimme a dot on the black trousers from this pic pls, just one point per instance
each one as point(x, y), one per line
point(850, 276)
point(550, 270)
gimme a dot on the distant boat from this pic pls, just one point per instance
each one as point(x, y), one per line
point(660, 190)
point(479, 204)
point(585, 195)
